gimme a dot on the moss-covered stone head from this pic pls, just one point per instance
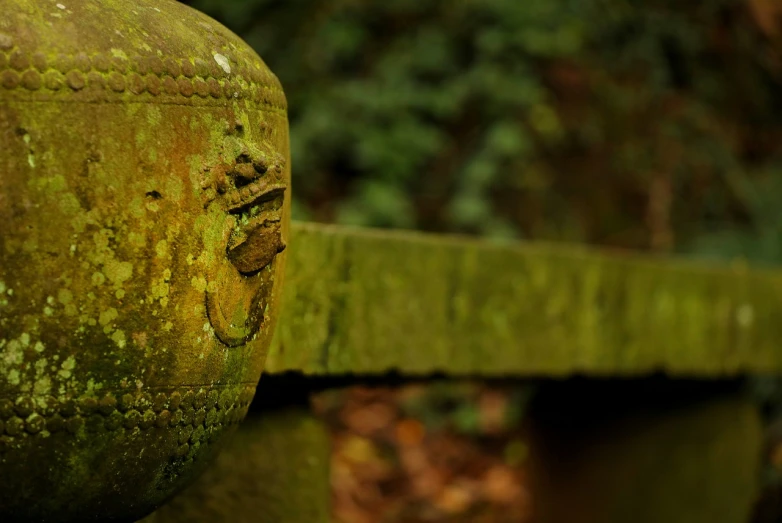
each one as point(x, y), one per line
point(144, 207)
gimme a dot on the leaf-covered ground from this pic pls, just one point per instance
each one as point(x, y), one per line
point(438, 453)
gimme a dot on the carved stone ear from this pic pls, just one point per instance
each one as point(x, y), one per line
point(258, 250)
point(251, 191)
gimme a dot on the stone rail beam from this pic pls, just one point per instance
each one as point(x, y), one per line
point(374, 302)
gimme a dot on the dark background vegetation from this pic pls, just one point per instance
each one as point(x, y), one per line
point(640, 124)
point(644, 124)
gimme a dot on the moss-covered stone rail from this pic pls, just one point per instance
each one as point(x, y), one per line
point(372, 302)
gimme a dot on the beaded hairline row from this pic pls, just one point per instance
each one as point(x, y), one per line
point(139, 75)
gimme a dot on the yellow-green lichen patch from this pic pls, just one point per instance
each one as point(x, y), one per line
point(50, 185)
point(118, 272)
point(153, 116)
point(65, 296)
point(13, 377)
point(40, 366)
point(136, 239)
point(42, 386)
point(118, 337)
point(13, 353)
point(136, 207)
point(67, 367)
point(174, 188)
point(161, 248)
point(69, 204)
point(161, 287)
point(108, 316)
point(198, 283)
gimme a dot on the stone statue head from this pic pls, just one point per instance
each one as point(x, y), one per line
point(144, 205)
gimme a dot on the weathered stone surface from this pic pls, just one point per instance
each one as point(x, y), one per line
point(373, 302)
point(273, 470)
point(143, 217)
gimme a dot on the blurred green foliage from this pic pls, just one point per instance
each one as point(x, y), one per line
point(648, 124)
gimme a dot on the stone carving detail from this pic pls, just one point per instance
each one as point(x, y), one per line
point(150, 76)
point(194, 413)
point(249, 186)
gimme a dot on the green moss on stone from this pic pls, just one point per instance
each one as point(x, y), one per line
point(373, 302)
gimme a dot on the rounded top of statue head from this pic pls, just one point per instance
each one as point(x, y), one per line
point(113, 51)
